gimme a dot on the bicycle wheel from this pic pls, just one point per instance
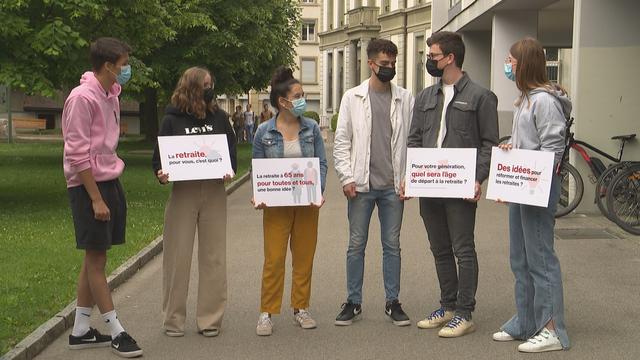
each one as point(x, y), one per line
point(572, 189)
point(623, 199)
point(603, 183)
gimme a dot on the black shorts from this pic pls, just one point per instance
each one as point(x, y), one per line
point(92, 234)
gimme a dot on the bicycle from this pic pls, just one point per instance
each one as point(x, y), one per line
point(623, 199)
point(572, 189)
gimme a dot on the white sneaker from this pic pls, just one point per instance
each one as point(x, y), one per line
point(265, 326)
point(458, 326)
point(304, 319)
point(544, 341)
point(502, 336)
point(437, 319)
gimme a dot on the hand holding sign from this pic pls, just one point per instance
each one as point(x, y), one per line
point(520, 176)
point(441, 173)
point(287, 182)
point(194, 157)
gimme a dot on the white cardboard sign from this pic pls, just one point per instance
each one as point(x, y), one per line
point(195, 157)
point(520, 176)
point(286, 181)
point(440, 172)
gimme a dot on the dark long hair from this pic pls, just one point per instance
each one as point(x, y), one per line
point(281, 83)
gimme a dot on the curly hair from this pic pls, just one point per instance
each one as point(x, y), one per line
point(189, 93)
point(377, 46)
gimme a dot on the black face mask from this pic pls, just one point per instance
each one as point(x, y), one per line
point(208, 95)
point(432, 68)
point(386, 74)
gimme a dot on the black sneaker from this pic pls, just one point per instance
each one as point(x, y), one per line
point(124, 345)
point(394, 311)
point(91, 339)
point(349, 313)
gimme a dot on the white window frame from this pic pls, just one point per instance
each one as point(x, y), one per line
point(315, 31)
point(315, 70)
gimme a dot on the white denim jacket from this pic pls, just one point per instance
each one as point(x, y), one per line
point(352, 143)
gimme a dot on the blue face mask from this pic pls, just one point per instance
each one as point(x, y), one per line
point(299, 107)
point(508, 72)
point(125, 74)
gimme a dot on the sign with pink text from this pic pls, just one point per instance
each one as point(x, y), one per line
point(440, 173)
point(195, 157)
point(520, 176)
point(286, 181)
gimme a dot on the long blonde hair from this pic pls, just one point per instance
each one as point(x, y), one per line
point(189, 93)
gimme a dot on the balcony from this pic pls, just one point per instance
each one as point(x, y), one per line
point(363, 18)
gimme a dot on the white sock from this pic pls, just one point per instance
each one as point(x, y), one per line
point(83, 317)
point(552, 332)
point(113, 323)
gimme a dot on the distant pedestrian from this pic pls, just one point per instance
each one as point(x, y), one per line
point(249, 120)
point(266, 113)
point(238, 124)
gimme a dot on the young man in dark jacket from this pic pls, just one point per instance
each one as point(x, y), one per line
point(454, 113)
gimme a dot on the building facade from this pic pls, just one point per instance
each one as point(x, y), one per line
point(592, 49)
point(349, 25)
point(307, 68)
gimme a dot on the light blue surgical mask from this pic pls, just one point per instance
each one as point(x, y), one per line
point(508, 72)
point(125, 74)
point(299, 107)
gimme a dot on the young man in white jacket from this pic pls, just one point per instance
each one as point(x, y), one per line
point(370, 154)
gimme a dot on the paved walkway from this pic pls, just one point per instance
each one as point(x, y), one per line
point(601, 272)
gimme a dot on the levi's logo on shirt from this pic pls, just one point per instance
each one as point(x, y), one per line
point(198, 130)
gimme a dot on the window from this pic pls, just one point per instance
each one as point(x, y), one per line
point(419, 63)
point(453, 3)
point(308, 1)
point(308, 31)
point(309, 70)
point(553, 65)
point(386, 6)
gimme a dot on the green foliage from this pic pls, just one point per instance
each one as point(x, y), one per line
point(44, 43)
point(39, 262)
point(312, 115)
point(334, 122)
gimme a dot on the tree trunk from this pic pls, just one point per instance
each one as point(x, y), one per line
point(149, 114)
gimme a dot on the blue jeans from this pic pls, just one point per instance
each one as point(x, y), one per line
point(249, 130)
point(390, 209)
point(538, 288)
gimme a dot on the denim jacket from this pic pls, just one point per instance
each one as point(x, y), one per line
point(269, 143)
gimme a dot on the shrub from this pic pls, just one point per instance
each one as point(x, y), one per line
point(312, 115)
point(334, 122)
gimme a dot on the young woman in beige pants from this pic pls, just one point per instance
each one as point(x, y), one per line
point(195, 205)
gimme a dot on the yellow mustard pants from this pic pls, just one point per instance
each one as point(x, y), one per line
point(296, 226)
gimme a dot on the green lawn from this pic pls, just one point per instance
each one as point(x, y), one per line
point(38, 260)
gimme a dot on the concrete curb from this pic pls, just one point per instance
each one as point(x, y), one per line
point(44, 335)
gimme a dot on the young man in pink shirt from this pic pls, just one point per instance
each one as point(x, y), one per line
point(90, 127)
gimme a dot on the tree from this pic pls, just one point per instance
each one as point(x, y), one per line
point(240, 41)
point(43, 43)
